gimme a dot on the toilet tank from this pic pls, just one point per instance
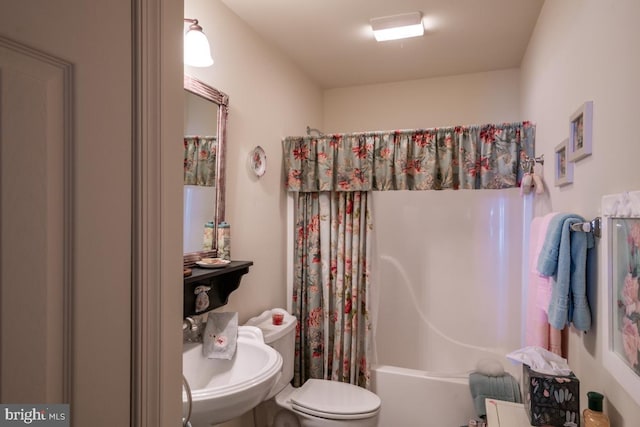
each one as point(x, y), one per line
point(282, 338)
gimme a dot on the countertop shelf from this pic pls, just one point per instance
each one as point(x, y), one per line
point(222, 282)
point(198, 274)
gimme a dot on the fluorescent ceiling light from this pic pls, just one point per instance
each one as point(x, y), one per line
point(398, 26)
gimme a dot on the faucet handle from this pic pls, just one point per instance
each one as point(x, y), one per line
point(190, 323)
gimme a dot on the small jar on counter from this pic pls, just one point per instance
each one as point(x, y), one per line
point(224, 241)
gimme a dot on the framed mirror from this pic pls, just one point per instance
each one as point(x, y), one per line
point(205, 128)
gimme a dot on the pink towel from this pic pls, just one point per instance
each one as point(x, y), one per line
point(538, 330)
point(541, 283)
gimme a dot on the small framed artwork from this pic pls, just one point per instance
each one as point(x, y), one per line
point(580, 141)
point(564, 168)
point(620, 291)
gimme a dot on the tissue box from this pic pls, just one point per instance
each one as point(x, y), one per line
point(551, 400)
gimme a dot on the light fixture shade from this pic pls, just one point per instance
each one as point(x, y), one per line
point(398, 26)
point(197, 51)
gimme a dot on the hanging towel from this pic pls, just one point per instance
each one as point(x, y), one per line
point(543, 283)
point(538, 332)
point(504, 387)
point(564, 256)
point(220, 335)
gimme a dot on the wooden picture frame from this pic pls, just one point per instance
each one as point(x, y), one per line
point(580, 132)
point(563, 167)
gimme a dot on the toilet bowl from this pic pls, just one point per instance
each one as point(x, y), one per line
point(317, 403)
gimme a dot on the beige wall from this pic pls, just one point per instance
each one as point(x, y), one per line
point(270, 98)
point(588, 50)
point(446, 101)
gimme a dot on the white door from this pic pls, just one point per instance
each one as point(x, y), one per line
point(90, 192)
point(34, 225)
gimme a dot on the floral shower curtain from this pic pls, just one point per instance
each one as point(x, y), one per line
point(470, 157)
point(332, 175)
point(200, 160)
point(331, 287)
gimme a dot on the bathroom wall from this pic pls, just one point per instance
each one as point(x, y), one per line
point(453, 100)
point(269, 98)
point(588, 50)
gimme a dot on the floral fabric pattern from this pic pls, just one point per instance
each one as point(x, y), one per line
point(200, 160)
point(468, 157)
point(628, 300)
point(331, 287)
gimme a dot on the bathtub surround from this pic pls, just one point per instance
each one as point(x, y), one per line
point(448, 263)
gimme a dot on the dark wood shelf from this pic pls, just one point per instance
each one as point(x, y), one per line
point(222, 281)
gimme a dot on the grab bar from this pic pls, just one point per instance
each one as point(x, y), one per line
point(592, 226)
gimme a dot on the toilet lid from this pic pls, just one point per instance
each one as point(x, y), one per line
point(335, 400)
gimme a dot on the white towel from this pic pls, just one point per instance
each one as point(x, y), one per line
point(220, 335)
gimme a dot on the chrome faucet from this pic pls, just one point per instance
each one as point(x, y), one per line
point(192, 328)
point(189, 323)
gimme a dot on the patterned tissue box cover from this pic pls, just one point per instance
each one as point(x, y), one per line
point(551, 400)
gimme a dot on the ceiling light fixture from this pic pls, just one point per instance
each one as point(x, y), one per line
point(197, 51)
point(397, 26)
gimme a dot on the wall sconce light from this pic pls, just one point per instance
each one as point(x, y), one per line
point(397, 26)
point(197, 51)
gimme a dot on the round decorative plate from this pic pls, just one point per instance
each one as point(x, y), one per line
point(258, 161)
point(213, 263)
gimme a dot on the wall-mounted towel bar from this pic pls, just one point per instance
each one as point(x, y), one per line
point(592, 226)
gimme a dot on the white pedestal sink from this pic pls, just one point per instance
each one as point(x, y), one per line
point(225, 389)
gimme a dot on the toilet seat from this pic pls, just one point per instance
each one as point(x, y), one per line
point(334, 400)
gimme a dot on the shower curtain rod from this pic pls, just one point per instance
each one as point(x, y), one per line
point(309, 130)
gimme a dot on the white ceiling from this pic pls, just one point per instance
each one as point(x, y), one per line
point(332, 42)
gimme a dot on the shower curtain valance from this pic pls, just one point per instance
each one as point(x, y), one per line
point(467, 157)
point(200, 160)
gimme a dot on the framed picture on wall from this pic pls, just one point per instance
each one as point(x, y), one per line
point(563, 167)
point(580, 141)
point(620, 290)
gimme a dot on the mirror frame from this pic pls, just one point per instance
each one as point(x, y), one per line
point(203, 90)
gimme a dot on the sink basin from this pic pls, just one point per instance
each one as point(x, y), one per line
point(224, 389)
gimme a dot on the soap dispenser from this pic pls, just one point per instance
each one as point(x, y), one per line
point(594, 417)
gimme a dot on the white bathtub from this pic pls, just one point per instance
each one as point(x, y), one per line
point(448, 281)
point(412, 398)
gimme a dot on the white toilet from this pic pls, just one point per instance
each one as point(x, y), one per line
point(318, 403)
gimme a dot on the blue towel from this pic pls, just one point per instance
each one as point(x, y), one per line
point(504, 387)
point(564, 256)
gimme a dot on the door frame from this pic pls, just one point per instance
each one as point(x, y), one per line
point(156, 336)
